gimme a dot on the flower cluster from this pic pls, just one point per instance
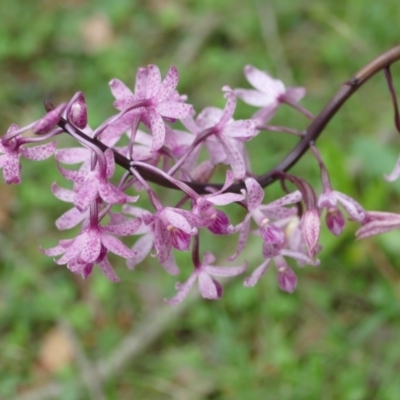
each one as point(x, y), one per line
point(143, 137)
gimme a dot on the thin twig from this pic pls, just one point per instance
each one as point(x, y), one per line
point(394, 98)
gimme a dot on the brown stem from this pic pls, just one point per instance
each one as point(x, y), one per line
point(313, 131)
point(318, 125)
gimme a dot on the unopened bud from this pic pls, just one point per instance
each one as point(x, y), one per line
point(78, 112)
point(49, 121)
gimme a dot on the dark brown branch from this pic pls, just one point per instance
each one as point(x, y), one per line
point(329, 111)
point(392, 91)
point(380, 63)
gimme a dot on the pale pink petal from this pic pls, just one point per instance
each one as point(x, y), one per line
point(157, 128)
point(381, 216)
point(209, 288)
point(136, 211)
point(57, 250)
point(141, 82)
point(216, 151)
point(228, 110)
point(209, 117)
point(110, 194)
point(327, 199)
point(234, 157)
point(243, 229)
point(170, 265)
point(277, 212)
point(242, 130)
point(183, 290)
point(121, 92)
point(39, 153)
point(116, 246)
point(294, 94)
point(153, 81)
point(190, 124)
point(255, 193)
point(177, 220)
point(73, 250)
point(203, 205)
point(255, 98)
point(12, 170)
point(169, 84)
point(141, 248)
point(109, 156)
point(290, 198)
point(229, 179)
point(111, 135)
point(257, 274)
point(174, 109)
point(77, 266)
point(62, 193)
point(148, 219)
point(310, 227)
point(91, 246)
point(224, 271)
point(354, 209)
point(263, 82)
point(86, 194)
point(377, 227)
point(78, 177)
point(263, 115)
point(299, 256)
point(123, 229)
point(226, 198)
point(179, 139)
point(162, 241)
point(203, 171)
point(70, 219)
point(108, 270)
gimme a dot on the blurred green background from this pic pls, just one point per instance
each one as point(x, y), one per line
point(336, 337)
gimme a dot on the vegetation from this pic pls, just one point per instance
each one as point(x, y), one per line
point(334, 338)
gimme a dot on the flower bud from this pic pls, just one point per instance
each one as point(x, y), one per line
point(49, 121)
point(77, 114)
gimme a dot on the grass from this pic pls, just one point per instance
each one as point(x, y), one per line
point(336, 337)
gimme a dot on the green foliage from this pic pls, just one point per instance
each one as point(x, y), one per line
point(337, 336)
